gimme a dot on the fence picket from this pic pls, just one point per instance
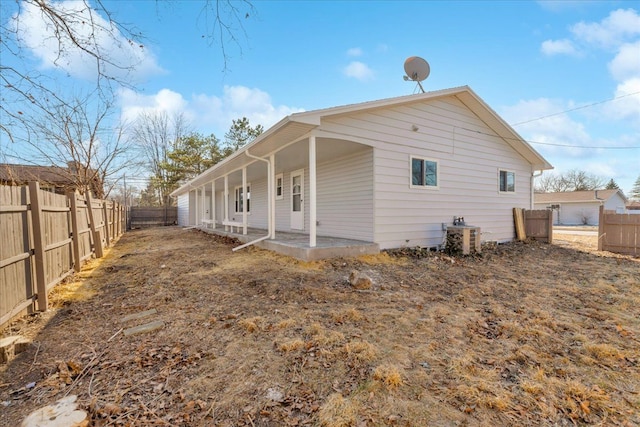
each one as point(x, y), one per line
point(44, 237)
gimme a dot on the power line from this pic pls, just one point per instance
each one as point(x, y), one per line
point(548, 143)
point(577, 108)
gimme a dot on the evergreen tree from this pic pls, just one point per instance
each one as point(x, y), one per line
point(240, 134)
point(612, 185)
point(635, 190)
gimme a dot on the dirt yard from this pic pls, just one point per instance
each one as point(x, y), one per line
point(525, 334)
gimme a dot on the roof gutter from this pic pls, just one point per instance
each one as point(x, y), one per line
point(269, 203)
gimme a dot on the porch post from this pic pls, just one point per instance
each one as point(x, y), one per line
point(312, 191)
point(272, 161)
point(226, 202)
point(197, 216)
point(245, 201)
point(204, 207)
point(213, 203)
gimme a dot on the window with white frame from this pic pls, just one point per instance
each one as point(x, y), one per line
point(279, 186)
point(507, 181)
point(239, 199)
point(424, 173)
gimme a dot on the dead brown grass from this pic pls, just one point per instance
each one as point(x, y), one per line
point(524, 334)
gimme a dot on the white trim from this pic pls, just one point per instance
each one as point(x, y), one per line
point(424, 187)
point(235, 199)
point(280, 177)
point(299, 172)
point(500, 170)
point(312, 191)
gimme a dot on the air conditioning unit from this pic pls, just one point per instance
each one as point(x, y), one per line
point(464, 239)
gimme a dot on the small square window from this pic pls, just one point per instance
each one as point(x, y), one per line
point(279, 186)
point(424, 172)
point(507, 181)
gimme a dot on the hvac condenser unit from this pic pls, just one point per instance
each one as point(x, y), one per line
point(463, 239)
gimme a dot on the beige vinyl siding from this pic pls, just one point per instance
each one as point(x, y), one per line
point(183, 209)
point(345, 197)
point(257, 217)
point(469, 156)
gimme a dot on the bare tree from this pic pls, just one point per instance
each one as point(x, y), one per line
point(573, 180)
point(157, 134)
point(90, 31)
point(78, 137)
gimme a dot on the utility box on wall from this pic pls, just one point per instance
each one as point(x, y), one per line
point(464, 239)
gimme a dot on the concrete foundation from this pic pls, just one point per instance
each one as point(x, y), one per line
point(296, 245)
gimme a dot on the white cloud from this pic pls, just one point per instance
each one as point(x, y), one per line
point(619, 26)
point(558, 129)
point(120, 58)
point(628, 107)
point(208, 113)
point(557, 47)
point(626, 64)
point(358, 70)
point(354, 51)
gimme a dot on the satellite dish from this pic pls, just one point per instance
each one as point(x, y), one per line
point(417, 70)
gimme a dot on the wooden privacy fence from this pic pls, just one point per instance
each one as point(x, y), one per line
point(44, 237)
point(152, 216)
point(534, 224)
point(619, 232)
point(539, 224)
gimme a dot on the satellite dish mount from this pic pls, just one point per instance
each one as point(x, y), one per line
point(417, 70)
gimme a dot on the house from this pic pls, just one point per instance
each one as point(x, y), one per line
point(56, 179)
point(391, 173)
point(579, 207)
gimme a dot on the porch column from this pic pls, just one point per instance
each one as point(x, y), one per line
point(245, 201)
point(272, 206)
point(226, 202)
point(204, 207)
point(312, 191)
point(197, 208)
point(213, 203)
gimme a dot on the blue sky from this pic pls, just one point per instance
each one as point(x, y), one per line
point(526, 59)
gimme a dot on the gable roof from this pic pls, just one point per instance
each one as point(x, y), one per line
point(576, 196)
point(21, 174)
point(296, 125)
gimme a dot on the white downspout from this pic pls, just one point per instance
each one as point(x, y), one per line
point(269, 203)
point(533, 176)
point(272, 211)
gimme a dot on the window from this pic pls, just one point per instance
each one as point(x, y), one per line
point(239, 199)
point(507, 181)
point(424, 173)
point(279, 186)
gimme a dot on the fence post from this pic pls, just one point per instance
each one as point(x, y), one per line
point(105, 212)
point(38, 244)
point(550, 225)
point(97, 242)
point(75, 238)
point(601, 234)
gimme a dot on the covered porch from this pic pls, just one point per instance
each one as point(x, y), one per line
point(310, 197)
point(297, 245)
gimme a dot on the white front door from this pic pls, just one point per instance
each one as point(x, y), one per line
point(297, 200)
point(207, 207)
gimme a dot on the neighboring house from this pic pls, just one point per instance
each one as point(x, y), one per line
point(56, 179)
point(394, 172)
point(579, 207)
point(633, 206)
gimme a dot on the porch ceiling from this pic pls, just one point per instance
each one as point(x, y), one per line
point(293, 157)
